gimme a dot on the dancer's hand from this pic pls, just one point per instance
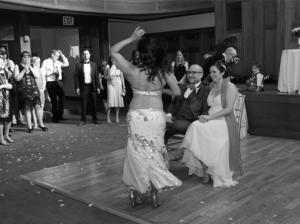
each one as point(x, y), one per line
point(98, 91)
point(137, 34)
point(78, 92)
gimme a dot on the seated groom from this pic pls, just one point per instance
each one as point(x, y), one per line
point(186, 108)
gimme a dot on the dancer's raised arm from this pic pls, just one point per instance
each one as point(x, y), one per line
point(124, 65)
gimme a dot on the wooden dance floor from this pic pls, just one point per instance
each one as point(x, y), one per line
point(268, 192)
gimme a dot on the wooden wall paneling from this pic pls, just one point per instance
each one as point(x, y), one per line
point(246, 43)
point(270, 49)
point(89, 38)
point(296, 14)
point(265, 115)
point(270, 13)
point(284, 27)
point(220, 20)
point(104, 39)
point(172, 44)
point(258, 31)
point(193, 48)
point(24, 30)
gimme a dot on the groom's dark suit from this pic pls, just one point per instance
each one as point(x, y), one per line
point(87, 89)
point(186, 110)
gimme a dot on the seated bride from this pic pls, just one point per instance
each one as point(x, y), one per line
point(212, 143)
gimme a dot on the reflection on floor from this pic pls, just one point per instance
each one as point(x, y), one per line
point(269, 191)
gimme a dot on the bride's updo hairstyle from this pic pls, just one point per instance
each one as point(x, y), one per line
point(153, 59)
point(221, 66)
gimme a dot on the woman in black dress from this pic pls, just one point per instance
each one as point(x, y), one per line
point(5, 104)
point(28, 91)
point(180, 67)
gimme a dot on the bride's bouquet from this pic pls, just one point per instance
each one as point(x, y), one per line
point(296, 32)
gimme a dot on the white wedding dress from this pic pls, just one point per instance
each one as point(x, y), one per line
point(209, 142)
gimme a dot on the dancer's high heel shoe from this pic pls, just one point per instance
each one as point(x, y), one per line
point(155, 202)
point(134, 198)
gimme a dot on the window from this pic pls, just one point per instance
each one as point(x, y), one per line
point(234, 16)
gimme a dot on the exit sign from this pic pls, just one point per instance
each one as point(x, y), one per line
point(68, 20)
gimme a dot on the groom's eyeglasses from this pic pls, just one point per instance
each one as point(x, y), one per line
point(192, 73)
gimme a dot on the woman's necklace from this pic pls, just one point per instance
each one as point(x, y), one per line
point(216, 89)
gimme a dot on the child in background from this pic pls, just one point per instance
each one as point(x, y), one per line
point(256, 81)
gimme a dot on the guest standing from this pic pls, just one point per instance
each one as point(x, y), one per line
point(41, 83)
point(212, 143)
point(146, 163)
point(29, 94)
point(9, 65)
point(87, 85)
point(52, 71)
point(103, 68)
point(5, 104)
point(115, 90)
point(180, 66)
point(135, 58)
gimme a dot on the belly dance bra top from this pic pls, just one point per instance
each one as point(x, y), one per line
point(147, 93)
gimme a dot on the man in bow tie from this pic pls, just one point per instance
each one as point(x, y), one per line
point(87, 85)
point(185, 109)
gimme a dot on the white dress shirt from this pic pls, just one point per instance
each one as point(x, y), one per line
point(49, 68)
point(188, 90)
point(87, 73)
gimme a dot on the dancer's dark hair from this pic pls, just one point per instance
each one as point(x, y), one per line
point(153, 59)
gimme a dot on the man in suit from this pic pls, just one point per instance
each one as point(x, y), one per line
point(229, 56)
point(87, 85)
point(186, 108)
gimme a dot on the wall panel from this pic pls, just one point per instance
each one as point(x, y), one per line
point(269, 66)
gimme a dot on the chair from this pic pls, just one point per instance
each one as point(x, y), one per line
point(241, 115)
point(241, 119)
